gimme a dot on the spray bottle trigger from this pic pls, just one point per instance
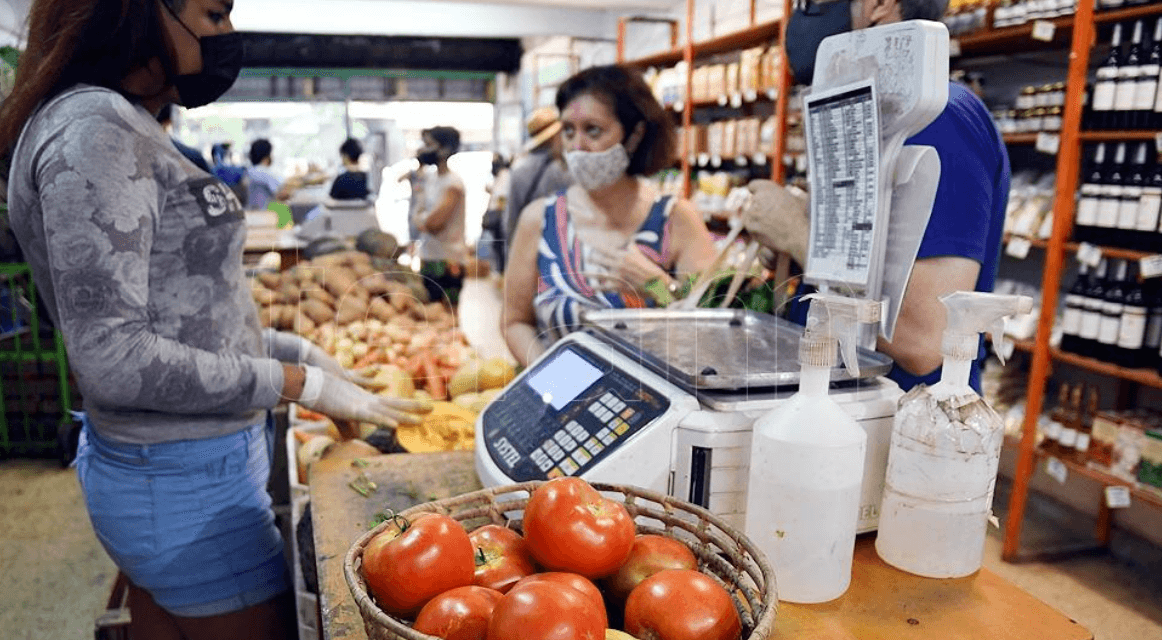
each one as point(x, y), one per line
point(996, 335)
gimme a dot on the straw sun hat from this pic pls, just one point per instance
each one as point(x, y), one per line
point(542, 125)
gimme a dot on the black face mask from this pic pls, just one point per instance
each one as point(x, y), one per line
point(428, 157)
point(221, 63)
point(806, 30)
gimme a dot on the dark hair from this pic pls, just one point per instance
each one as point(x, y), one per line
point(351, 149)
point(166, 113)
point(922, 9)
point(446, 137)
point(625, 92)
point(259, 150)
point(96, 42)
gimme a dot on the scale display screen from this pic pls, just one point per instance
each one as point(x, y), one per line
point(563, 379)
point(566, 414)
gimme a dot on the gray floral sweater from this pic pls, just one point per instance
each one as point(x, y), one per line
point(137, 254)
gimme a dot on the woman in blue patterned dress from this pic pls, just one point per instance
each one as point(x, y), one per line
point(597, 244)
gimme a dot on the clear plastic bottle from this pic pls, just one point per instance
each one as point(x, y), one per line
point(946, 444)
point(806, 465)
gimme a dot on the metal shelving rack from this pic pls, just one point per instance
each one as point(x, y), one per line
point(689, 51)
point(1081, 28)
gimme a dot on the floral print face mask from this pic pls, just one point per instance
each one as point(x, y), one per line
point(595, 170)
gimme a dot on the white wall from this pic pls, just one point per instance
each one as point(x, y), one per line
point(13, 15)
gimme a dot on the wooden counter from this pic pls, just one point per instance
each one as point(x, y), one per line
point(883, 603)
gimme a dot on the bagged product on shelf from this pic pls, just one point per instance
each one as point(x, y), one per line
point(1127, 453)
point(1104, 437)
point(1150, 468)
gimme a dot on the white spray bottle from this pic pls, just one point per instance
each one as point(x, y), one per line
point(946, 444)
point(806, 463)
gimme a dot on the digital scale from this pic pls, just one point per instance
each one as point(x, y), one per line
point(665, 399)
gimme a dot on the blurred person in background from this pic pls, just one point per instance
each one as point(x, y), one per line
point(263, 185)
point(351, 184)
point(138, 255)
point(538, 173)
point(439, 218)
point(492, 224)
point(611, 240)
point(165, 119)
point(224, 169)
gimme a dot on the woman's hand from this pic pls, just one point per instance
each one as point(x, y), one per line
point(626, 267)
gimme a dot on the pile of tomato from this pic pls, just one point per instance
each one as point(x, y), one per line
point(578, 571)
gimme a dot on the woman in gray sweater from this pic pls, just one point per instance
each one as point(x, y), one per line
point(138, 254)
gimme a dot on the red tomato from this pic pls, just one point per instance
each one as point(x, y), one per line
point(406, 568)
point(649, 555)
point(459, 614)
point(502, 557)
point(571, 527)
point(545, 610)
point(576, 581)
point(679, 604)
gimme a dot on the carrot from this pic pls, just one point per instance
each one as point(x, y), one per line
point(310, 416)
point(436, 385)
point(301, 436)
point(372, 356)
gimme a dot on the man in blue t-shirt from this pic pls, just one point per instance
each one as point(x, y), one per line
point(960, 248)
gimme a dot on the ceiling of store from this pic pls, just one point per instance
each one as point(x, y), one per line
point(452, 18)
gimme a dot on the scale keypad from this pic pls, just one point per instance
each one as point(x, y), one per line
point(532, 440)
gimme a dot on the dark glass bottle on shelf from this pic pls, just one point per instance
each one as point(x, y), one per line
point(1074, 309)
point(1110, 203)
point(1091, 313)
point(1146, 236)
point(1152, 344)
point(1135, 317)
point(1085, 223)
point(1146, 95)
point(1106, 84)
point(1111, 313)
point(1126, 232)
point(1125, 93)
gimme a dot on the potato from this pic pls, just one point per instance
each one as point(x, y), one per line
point(495, 373)
point(379, 309)
point(264, 296)
point(376, 284)
point(316, 292)
point(350, 309)
point(316, 311)
point(287, 318)
point(341, 282)
point(270, 280)
point(466, 379)
point(395, 382)
point(303, 324)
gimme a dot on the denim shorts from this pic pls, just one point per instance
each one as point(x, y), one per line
point(188, 521)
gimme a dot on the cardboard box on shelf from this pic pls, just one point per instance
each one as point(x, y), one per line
point(714, 133)
point(732, 86)
point(715, 81)
point(729, 138)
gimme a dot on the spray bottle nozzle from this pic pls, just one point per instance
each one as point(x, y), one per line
point(971, 313)
point(834, 319)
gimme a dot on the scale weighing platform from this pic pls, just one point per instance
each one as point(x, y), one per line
point(665, 400)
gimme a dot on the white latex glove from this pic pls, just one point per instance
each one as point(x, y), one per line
point(341, 399)
point(778, 218)
point(295, 349)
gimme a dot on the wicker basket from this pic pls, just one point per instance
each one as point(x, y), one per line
point(723, 553)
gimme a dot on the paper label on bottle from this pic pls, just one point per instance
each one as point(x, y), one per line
point(1048, 142)
point(1068, 437)
point(1103, 92)
point(1117, 497)
point(1071, 320)
point(1132, 330)
point(1110, 324)
point(1043, 30)
point(1018, 247)
point(1089, 254)
point(1150, 266)
point(1128, 209)
point(1148, 209)
point(1147, 89)
point(1056, 470)
point(1082, 442)
point(1153, 339)
point(1107, 210)
point(1087, 208)
point(1126, 89)
point(1090, 324)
